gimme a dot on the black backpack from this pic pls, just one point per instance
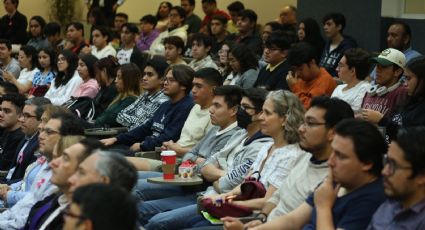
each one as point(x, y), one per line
point(83, 107)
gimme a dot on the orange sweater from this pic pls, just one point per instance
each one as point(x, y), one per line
point(324, 84)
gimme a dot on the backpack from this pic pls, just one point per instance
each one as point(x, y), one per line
point(83, 107)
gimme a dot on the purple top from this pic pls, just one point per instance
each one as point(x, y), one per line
point(391, 216)
point(144, 42)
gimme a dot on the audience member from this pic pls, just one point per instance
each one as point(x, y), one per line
point(388, 94)
point(162, 16)
point(308, 80)
point(101, 43)
point(209, 7)
point(309, 31)
point(243, 63)
point(201, 47)
point(109, 8)
point(146, 105)
point(53, 34)
point(173, 50)
point(106, 71)
point(176, 27)
point(403, 172)
point(288, 17)
point(66, 156)
point(353, 189)
point(10, 110)
point(192, 20)
point(268, 29)
point(234, 9)
point(148, 32)
point(30, 120)
point(129, 51)
point(67, 81)
point(168, 120)
point(353, 68)
point(198, 123)
point(119, 20)
point(102, 208)
point(247, 34)
point(75, 37)
point(399, 36)
point(127, 84)
point(47, 72)
point(86, 70)
point(13, 25)
point(28, 61)
point(218, 30)
point(7, 88)
point(8, 63)
point(223, 60)
point(276, 51)
point(333, 26)
point(37, 38)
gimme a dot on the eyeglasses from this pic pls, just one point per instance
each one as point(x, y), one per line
point(245, 107)
point(272, 48)
point(392, 165)
point(68, 213)
point(27, 116)
point(48, 131)
point(169, 80)
point(311, 124)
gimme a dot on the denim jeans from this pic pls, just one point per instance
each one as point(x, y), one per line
point(146, 191)
point(173, 219)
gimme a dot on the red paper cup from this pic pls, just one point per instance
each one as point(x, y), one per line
point(168, 164)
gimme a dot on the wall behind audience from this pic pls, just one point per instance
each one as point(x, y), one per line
point(267, 10)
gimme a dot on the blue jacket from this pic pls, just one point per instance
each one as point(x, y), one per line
point(166, 124)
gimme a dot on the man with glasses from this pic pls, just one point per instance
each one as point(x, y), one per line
point(352, 190)
point(316, 135)
point(10, 110)
point(404, 183)
point(60, 124)
point(30, 119)
point(271, 77)
point(308, 80)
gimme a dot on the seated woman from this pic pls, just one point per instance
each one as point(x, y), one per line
point(27, 59)
point(67, 81)
point(36, 33)
point(89, 87)
point(145, 106)
point(128, 87)
point(105, 72)
point(43, 77)
point(244, 65)
point(101, 47)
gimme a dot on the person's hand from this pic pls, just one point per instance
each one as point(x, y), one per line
point(253, 223)
point(86, 50)
point(171, 145)
point(371, 115)
point(109, 141)
point(200, 161)
point(7, 76)
point(135, 147)
point(291, 79)
point(220, 199)
point(231, 223)
point(115, 7)
point(3, 192)
point(326, 194)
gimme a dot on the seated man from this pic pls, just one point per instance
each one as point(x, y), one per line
point(11, 106)
point(8, 88)
point(210, 9)
point(201, 47)
point(275, 55)
point(13, 25)
point(198, 123)
point(148, 33)
point(176, 27)
point(241, 148)
point(128, 51)
point(192, 20)
point(9, 65)
point(167, 122)
point(219, 33)
point(52, 31)
point(174, 48)
point(308, 80)
point(75, 37)
point(383, 99)
point(353, 189)
point(82, 163)
point(404, 183)
point(118, 208)
point(247, 34)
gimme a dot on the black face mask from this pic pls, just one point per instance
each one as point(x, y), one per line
point(243, 118)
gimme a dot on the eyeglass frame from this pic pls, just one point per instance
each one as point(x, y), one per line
point(48, 131)
point(393, 166)
point(27, 115)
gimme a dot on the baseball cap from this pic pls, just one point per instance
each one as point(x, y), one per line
point(391, 56)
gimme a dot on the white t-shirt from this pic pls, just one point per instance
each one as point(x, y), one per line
point(26, 75)
point(353, 96)
point(61, 94)
point(105, 52)
point(124, 56)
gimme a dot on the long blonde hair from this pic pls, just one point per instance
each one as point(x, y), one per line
point(65, 142)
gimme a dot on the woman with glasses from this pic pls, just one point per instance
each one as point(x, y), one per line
point(223, 60)
point(128, 87)
point(244, 65)
point(67, 81)
point(145, 106)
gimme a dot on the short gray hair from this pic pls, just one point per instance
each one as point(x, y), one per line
point(120, 172)
point(39, 103)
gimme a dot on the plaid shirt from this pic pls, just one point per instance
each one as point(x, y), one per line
point(141, 110)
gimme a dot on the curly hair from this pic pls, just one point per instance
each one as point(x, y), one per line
point(287, 104)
